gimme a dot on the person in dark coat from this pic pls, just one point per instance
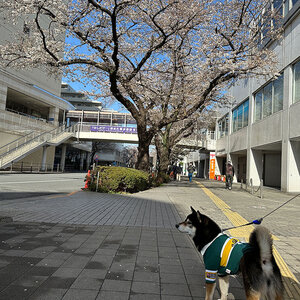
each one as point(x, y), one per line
point(229, 175)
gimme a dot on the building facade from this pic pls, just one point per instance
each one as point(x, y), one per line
point(30, 105)
point(261, 134)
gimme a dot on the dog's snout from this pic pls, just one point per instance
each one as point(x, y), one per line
point(177, 225)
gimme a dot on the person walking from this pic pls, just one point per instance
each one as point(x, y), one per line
point(229, 175)
point(178, 173)
point(174, 168)
point(191, 170)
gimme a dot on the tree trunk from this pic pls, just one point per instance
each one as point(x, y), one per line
point(163, 156)
point(143, 158)
point(145, 139)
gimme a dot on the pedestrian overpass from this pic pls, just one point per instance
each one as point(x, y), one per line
point(119, 127)
point(128, 135)
point(89, 126)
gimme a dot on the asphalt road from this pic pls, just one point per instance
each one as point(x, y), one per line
point(16, 186)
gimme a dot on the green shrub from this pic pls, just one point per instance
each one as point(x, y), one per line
point(119, 179)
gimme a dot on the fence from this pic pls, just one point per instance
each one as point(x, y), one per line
point(25, 167)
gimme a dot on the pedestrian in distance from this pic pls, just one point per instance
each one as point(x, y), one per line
point(174, 169)
point(191, 170)
point(229, 175)
point(178, 173)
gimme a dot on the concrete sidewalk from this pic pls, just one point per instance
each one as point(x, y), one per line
point(98, 246)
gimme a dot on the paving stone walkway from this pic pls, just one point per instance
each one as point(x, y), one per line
point(96, 209)
point(98, 246)
point(47, 261)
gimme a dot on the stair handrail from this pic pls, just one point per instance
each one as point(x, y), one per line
point(8, 145)
point(45, 136)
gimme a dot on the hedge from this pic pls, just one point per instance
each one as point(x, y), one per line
point(120, 179)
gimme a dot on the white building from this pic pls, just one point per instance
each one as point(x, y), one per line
point(79, 100)
point(30, 105)
point(261, 134)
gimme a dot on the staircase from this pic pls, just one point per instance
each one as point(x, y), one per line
point(29, 143)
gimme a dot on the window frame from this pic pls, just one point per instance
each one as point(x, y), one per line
point(261, 91)
point(293, 82)
point(235, 113)
point(223, 126)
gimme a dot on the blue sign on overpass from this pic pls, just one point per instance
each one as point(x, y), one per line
point(113, 129)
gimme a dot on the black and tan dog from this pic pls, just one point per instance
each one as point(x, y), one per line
point(224, 256)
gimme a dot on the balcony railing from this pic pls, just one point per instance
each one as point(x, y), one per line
point(18, 122)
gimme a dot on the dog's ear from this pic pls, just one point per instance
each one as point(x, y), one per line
point(192, 209)
point(199, 216)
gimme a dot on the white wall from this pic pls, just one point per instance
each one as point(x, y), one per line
point(238, 140)
point(295, 120)
point(267, 131)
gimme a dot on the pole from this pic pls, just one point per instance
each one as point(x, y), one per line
point(97, 183)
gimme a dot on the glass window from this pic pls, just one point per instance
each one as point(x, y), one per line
point(278, 7)
point(226, 124)
point(296, 82)
point(258, 106)
point(220, 129)
point(277, 3)
point(234, 123)
point(240, 116)
point(245, 113)
point(278, 94)
point(286, 6)
point(267, 100)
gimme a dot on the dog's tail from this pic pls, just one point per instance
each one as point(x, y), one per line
point(270, 282)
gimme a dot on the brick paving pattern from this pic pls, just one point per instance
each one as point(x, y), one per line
point(100, 246)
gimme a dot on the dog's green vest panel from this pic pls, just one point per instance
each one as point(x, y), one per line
point(223, 257)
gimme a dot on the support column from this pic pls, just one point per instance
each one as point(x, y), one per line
point(290, 155)
point(291, 177)
point(64, 116)
point(44, 158)
point(3, 97)
point(254, 166)
point(53, 115)
point(63, 157)
point(205, 168)
point(82, 156)
point(88, 160)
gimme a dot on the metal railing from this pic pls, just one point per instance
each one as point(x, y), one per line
point(26, 115)
point(16, 121)
point(31, 138)
point(25, 167)
point(6, 149)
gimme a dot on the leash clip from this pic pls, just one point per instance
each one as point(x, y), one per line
point(258, 221)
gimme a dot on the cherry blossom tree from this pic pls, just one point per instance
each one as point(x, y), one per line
point(167, 139)
point(130, 49)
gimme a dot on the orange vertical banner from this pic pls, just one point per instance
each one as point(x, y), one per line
point(212, 165)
